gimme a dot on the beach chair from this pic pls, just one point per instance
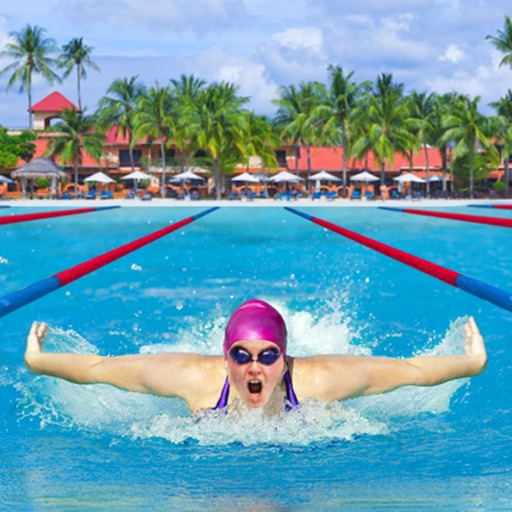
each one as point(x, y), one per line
point(369, 195)
point(316, 195)
point(331, 195)
point(356, 194)
point(234, 196)
point(106, 194)
point(91, 194)
point(146, 197)
point(195, 195)
point(131, 194)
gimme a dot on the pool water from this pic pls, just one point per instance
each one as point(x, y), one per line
point(69, 447)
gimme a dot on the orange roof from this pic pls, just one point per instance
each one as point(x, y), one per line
point(331, 159)
point(54, 102)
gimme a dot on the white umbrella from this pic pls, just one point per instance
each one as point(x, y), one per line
point(100, 177)
point(285, 176)
point(246, 177)
point(3, 179)
point(323, 175)
point(136, 175)
point(364, 176)
point(187, 175)
point(408, 176)
point(435, 177)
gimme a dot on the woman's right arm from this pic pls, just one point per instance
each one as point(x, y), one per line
point(159, 374)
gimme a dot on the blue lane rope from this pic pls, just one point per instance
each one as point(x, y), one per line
point(17, 299)
point(498, 297)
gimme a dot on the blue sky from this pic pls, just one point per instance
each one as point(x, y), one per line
point(431, 45)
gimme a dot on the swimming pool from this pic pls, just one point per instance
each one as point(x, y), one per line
point(77, 448)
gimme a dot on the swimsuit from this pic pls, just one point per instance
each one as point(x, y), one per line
point(291, 398)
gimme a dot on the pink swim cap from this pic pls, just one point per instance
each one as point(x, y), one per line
point(255, 320)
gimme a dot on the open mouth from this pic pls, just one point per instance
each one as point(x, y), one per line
point(254, 387)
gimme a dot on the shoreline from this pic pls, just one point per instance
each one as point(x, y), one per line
point(256, 203)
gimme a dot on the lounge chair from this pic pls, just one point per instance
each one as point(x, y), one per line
point(91, 194)
point(131, 194)
point(66, 195)
point(106, 194)
point(234, 196)
point(369, 195)
point(331, 195)
point(356, 194)
point(316, 195)
point(146, 197)
point(195, 195)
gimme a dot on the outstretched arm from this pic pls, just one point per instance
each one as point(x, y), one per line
point(168, 374)
point(344, 377)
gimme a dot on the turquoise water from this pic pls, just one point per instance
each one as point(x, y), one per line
point(67, 447)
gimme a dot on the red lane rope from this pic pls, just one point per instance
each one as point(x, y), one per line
point(25, 217)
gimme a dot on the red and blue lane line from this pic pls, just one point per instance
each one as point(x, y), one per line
point(4, 206)
point(17, 299)
point(496, 206)
point(479, 219)
point(26, 217)
point(477, 288)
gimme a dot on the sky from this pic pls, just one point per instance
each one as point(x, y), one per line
point(258, 45)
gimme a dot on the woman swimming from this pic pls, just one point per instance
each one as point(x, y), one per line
point(255, 368)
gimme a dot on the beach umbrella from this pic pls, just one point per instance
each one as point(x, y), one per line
point(323, 175)
point(364, 176)
point(100, 177)
point(286, 176)
point(136, 175)
point(436, 177)
point(246, 177)
point(3, 179)
point(184, 176)
point(410, 177)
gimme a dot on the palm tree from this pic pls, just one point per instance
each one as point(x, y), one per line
point(337, 106)
point(30, 51)
point(423, 110)
point(216, 122)
point(295, 118)
point(503, 42)
point(155, 118)
point(385, 121)
point(503, 108)
point(120, 107)
point(75, 133)
point(186, 93)
point(77, 53)
point(467, 127)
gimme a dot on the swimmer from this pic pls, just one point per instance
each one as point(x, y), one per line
point(255, 369)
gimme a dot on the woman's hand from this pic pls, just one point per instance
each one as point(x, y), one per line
point(36, 336)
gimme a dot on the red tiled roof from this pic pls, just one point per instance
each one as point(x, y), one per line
point(54, 102)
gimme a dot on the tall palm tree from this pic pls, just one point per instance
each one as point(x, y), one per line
point(467, 127)
point(120, 107)
point(155, 118)
point(338, 103)
point(385, 120)
point(295, 118)
point(217, 122)
point(503, 133)
point(77, 53)
point(75, 133)
point(31, 53)
point(503, 42)
point(185, 92)
point(422, 108)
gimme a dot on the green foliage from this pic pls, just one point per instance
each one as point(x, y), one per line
point(42, 182)
point(499, 186)
point(461, 169)
point(15, 147)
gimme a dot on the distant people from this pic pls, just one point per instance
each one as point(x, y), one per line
point(383, 189)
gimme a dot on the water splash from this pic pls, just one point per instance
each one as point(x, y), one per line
point(101, 408)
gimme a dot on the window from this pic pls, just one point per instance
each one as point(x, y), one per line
point(124, 157)
point(281, 157)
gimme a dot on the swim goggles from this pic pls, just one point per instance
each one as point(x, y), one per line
point(266, 357)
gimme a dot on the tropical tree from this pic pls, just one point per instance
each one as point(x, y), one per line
point(119, 108)
point(338, 103)
point(422, 107)
point(467, 127)
point(75, 134)
point(77, 54)
point(503, 132)
point(186, 92)
point(216, 122)
point(155, 118)
point(385, 122)
point(295, 118)
point(503, 42)
point(14, 147)
point(31, 53)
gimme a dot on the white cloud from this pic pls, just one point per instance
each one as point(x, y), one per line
point(453, 53)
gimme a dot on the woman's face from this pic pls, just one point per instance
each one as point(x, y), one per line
point(255, 381)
